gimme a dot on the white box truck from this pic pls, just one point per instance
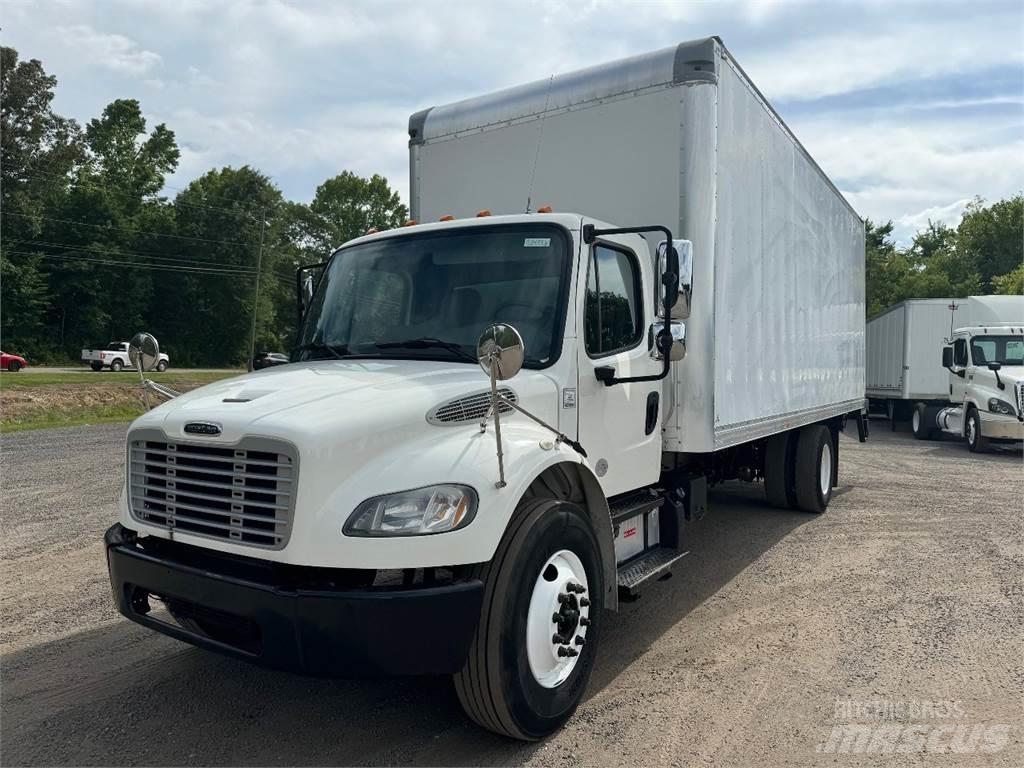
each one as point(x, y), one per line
point(380, 505)
point(903, 373)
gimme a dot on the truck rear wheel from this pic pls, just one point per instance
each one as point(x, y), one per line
point(535, 644)
point(778, 471)
point(814, 468)
point(96, 366)
point(922, 422)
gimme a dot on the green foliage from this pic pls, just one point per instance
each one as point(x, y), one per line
point(984, 254)
point(92, 252)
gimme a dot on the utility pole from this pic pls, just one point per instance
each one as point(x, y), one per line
point(256, 294)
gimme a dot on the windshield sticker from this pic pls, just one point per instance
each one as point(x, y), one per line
point(536, 242)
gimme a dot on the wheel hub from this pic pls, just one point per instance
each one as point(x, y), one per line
point(558, 618)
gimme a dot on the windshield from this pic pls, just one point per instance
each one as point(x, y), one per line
point(430, 296)
point(1008, 350)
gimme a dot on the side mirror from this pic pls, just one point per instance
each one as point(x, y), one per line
point(305, 286)
point(995, 366)
point(678, 349)
point(947, 357)
point(500, 351)
point(680, 263)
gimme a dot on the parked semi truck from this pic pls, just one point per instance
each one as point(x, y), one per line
point(904, 377)
point(692, 313)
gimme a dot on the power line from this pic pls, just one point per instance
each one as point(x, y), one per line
point(101, 250)
point(106, 227)
point(138, 265)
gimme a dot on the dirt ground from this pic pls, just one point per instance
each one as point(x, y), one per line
point(897, 612)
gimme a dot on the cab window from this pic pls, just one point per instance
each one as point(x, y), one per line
point(613, 312)
point(960, 352)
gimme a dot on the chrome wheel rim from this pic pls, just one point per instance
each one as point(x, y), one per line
point(557, 620)
point(970, 431)
point(916, 421)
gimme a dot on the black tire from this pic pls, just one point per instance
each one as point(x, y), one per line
point(976, 441)
point(14, 366)
point(779, 487)
point(814, 451)
point(496, 687)
point(161, 366)
point(116, 365)
point(96, 366)
point(919, 422)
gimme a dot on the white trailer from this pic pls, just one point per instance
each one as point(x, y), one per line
point(379, 505)
point(903, 367)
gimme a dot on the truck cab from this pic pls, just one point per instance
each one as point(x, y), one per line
point(986, 386)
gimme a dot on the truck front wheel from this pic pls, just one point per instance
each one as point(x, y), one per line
point(116, 365)
point(976, 442)
point(534, 647)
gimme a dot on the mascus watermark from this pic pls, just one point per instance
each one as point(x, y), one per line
point(913, 725)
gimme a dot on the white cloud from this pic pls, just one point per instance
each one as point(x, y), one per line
point(303, 90)
point(114, 52)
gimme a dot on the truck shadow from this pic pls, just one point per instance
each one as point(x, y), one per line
point(123, 695)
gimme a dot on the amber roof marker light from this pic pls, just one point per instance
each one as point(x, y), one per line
point(447, 217)
point(410, 223)
point(545, 209)
point(484, 212)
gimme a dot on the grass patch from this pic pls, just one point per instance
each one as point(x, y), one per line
point(46, 419)
point(86, 378)
point(67, 398)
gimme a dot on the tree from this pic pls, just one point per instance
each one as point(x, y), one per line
point(1012, 283)
point(991, 238)
point(38, 149)
point(345, 207)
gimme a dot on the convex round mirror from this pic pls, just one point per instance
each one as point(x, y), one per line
point(144, 351)
point(501, 348)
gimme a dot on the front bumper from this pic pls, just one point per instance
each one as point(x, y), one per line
point(254, 612)
point(999, 427)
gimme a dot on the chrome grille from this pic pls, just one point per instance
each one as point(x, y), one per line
point(469, 408)
point(244, 493)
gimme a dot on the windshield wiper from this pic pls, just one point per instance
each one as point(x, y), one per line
point(338, 351)
point(426, 342)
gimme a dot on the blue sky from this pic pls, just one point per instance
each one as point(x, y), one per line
point(911, 108)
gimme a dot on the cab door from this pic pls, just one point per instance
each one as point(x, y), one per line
point(962, 373)
point(619, 425)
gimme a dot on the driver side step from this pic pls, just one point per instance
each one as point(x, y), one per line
point(652, 564)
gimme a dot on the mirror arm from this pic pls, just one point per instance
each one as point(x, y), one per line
point(671, 275)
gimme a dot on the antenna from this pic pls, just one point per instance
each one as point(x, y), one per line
point(953, 307)
point(540, 138)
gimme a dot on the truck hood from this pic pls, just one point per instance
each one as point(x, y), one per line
point(299, 399)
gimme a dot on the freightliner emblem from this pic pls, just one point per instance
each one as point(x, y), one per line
point(202, 428)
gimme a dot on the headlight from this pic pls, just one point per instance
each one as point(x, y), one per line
point(435, 509)
point(1001, 406)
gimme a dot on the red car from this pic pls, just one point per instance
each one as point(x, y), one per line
point(12, 363)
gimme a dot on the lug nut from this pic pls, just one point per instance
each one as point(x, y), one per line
point(556, 617)
point(584, 621)
point(563, 651)
point(584, 602)
point(571, 652)
point(557, 639)
point(579, 640)
point(563, 598)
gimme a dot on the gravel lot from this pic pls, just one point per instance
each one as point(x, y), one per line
point(778, 628)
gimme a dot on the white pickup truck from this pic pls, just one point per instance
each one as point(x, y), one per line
point(115, 357)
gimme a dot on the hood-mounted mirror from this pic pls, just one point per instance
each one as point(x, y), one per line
point(500, 351)
point(144, 353)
